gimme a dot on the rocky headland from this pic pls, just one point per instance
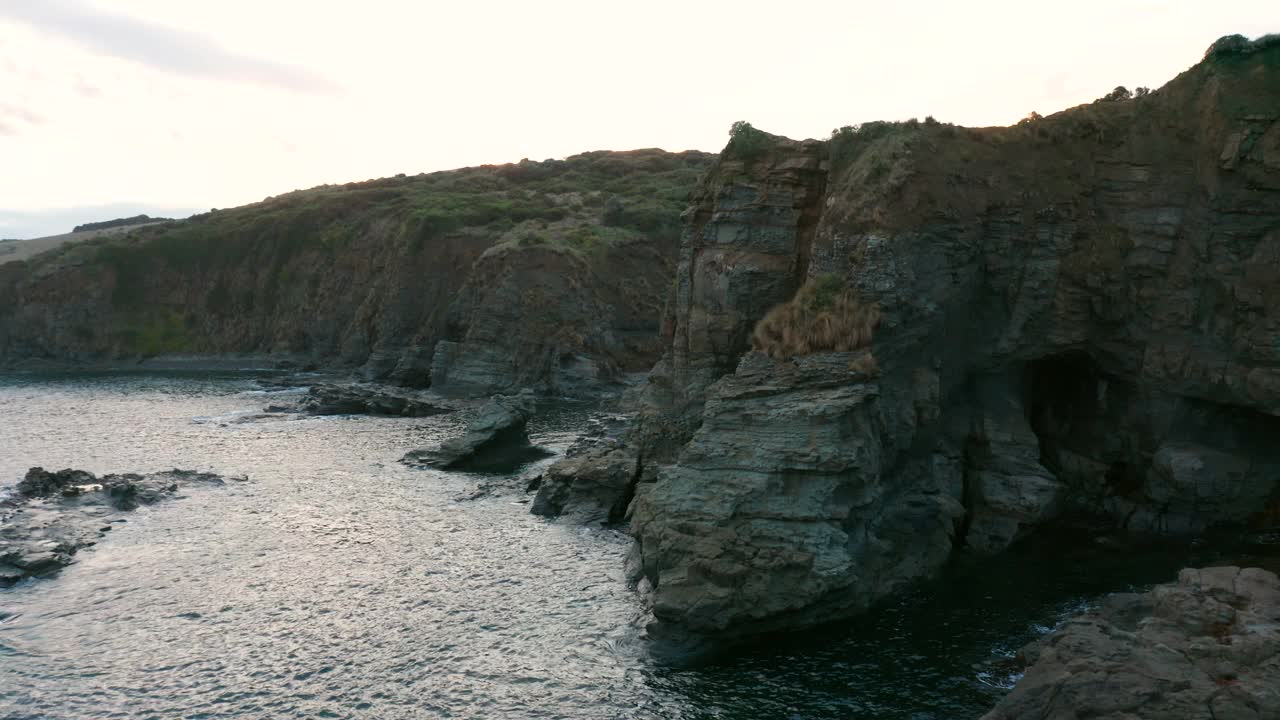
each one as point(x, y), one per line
point(49, 516)
point(915, 340)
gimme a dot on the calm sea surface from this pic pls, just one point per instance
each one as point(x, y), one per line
point(337, 583)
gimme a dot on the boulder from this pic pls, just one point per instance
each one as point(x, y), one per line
point(593, 483)
point(1206, 647)
point(590, 489)
point(40, 483)
point(497, 436)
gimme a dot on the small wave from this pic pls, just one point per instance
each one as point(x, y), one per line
point(1000, 680)
point(239, 417)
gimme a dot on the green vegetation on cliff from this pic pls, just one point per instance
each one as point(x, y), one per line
point(337, 272)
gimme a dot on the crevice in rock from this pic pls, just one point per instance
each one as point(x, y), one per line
point(619, 512)
point(807, 227)
point(974, 449)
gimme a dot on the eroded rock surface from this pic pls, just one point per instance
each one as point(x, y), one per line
point(780, 498)
point(496, 436)
point(1206, 647)
point(52, 515)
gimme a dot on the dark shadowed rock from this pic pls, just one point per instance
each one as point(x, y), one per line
point(496, 437)
point(52, 515)
point(591, 489)
point(593, 483)
point(40, 483)
point(1206, 647)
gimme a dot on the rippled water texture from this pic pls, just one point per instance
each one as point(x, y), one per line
point(338, 584)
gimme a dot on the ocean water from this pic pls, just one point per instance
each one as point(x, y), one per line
point(337, 583)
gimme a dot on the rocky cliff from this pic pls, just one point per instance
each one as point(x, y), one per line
point(542, 274)
point(1074, 315)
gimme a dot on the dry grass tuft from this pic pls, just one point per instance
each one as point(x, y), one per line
point(824, 315)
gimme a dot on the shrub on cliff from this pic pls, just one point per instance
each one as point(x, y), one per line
point(1120, 93)
point(746, 142)
point(1239, 45)
point(824, 315)
point(119, 222)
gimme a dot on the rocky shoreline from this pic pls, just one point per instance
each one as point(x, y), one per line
point(909, 344)
point(50, 516)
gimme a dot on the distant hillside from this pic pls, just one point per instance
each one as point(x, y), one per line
point(119, 222)
point(549, 274)
point(11, 250)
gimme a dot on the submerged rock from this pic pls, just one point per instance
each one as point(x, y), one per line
point(497, 436)
point(52, 515)
point(329, 399)
point(1206, 647)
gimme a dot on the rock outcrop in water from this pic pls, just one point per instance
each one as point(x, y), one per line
point(362, 399)
point(1074, 315)
point(497, 436)
point(548, 275)
point(1204, 648)
point(592, 483)
point(52, 515)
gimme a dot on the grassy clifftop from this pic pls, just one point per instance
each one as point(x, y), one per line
point(337, 272)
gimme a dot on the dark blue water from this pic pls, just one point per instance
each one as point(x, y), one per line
point(339, 584)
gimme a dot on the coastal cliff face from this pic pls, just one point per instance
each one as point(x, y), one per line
point(1077, 314)
point(542, 274)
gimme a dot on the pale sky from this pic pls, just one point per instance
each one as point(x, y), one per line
point(175, 106)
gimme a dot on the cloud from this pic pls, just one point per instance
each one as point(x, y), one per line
point(84, 88)
point(158, 46)
point(14, 112)
point(11, 116)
